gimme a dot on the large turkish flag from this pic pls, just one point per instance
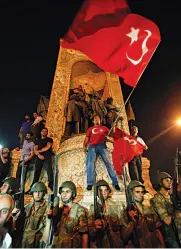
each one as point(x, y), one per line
point(114, 39)
point(125, 148)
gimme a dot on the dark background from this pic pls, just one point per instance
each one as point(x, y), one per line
point(29, 46)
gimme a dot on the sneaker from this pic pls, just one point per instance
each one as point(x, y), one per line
point(89, 187)
point(117, 187)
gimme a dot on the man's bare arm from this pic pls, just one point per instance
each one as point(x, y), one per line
point(86, 141)
point(36, 150)
point(47, 147)
point(30, 156)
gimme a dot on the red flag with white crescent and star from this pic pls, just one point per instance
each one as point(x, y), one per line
point(116, 40)
point(125, 148)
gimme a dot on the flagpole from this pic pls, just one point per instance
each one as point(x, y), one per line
point(120, 110)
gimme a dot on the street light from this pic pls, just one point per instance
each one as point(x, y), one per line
point(179, 122)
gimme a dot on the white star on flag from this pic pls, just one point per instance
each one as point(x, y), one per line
point(133, 34)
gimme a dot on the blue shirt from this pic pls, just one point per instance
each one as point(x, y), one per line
point(26, 127)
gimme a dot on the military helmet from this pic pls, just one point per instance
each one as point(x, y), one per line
point(161, 176)
point(13, 183)
point(70, 185)
point(103, 183)
point(38, 187)
point(133, 184)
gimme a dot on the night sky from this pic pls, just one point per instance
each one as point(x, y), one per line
point(29, 45)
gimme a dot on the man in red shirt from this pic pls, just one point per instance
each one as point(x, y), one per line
point(95, 141)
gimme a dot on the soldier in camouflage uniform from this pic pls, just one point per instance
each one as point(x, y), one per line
point(35, 217)
point(70, 221)
point(105, 229)
point(164, 207)
point(10, 186)
point(178, 208)
point(142, 227)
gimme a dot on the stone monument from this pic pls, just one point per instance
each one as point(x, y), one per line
point(76, 69)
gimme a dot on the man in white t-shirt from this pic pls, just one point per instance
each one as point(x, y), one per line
point(135, 165)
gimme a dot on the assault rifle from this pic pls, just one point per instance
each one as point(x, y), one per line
point(99, 214)
point(177, 168)
point(167, 230)
point(51, 201)
point(19, 204)
point(130, 205)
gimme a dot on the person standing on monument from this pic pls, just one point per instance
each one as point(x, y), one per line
point(95, 140)
point(27, 155)
point(43, 158)
point(135, 165)
point(25, 127)
point(36, 125)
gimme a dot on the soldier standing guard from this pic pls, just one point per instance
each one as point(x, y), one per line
point(142, 223)
point(105, 229)
point(165, 209)
point(70, 220)
point(35, 217)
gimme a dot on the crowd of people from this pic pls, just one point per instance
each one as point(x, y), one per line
point(59, 221)
point(34, 126)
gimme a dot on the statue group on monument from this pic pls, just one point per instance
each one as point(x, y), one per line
point(82, 107)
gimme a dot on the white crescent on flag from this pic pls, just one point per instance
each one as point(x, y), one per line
point(134, 37)
point(131, 141)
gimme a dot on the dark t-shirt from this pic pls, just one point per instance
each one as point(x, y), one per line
point(4, 169)
point(42, 143)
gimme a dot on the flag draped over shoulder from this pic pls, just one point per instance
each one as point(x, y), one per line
point(125, 148)
point(113, 38)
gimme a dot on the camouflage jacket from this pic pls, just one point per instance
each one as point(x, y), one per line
point(163, 205)
point(72, 224)
point(34, 224)
point(146, 231)
point(113, 217)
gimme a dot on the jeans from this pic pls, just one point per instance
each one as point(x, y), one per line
point(93, 152)
point(19, 170)
point(47, 164)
